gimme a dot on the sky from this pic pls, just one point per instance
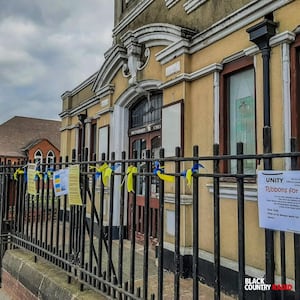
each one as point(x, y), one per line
point(46, 48)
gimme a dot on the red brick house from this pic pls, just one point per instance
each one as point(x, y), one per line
point(23, 138)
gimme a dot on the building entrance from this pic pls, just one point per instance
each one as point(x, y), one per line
point(139, 144)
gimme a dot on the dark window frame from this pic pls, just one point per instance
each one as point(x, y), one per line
point(242, 64)
point(140, 104)
point(93, 139)
point(295, 89)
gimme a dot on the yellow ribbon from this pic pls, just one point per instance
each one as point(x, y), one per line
point(18, 172)
point(188, 176)
point(165, 177)
point(101, 171)
point(160, 173)
point(130, 171)
point(107, 173)
point(37, 174)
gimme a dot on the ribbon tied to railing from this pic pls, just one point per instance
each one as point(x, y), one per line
point(48, 174)
point(159, 171)
point(187, 174)
point(99, 170)
point(105, 172)
point(131, 170)
point(37, 175)
point(18, 172)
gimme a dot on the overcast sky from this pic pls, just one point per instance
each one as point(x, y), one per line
point(46, 48)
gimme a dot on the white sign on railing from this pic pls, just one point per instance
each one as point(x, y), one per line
point(279, 200)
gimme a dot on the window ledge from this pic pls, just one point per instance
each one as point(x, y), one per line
point(184, 199)
point(229, 191)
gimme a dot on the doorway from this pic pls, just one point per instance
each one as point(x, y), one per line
point(140, 144)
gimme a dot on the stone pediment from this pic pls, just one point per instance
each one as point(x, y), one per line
point(133, 52)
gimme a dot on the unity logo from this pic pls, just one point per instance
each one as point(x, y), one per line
point(258, 284)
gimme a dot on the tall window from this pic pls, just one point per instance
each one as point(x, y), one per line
point(237, 109)
point(38, 157)
point(50, 158)
point(146, 111)
point(93, 140)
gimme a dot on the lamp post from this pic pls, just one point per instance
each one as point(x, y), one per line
point(260, 34)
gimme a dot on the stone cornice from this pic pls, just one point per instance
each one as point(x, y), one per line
point(135, 12)
point(232, 23)
point(112, 64)
point(83, 106)
point(155, 34)
point(192, 76)
point(104, 111)
point(105, 90)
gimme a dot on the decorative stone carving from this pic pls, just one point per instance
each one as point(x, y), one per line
point(137, 59)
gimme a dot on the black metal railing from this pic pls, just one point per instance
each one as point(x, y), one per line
point(94, 243)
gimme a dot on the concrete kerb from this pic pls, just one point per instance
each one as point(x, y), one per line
point(43, 279)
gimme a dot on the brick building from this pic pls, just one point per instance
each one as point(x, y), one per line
point(23, 138)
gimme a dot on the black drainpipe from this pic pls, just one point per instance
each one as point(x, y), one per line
point(260, 34)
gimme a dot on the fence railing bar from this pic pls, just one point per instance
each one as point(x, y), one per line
point(146, 228)
point(177, 229)
point(132, 224)
point(92, 251)
point(45, 185)
point(241, 224)
point(269, 234)
point(83, 227)
point(160, 249)
point(121, 220)
point(295, 166)
point(217, 262)
point(110, 227)
point(196, 222)
point(102, 236)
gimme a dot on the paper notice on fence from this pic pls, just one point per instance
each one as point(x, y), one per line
point(31, 182)
point(74, 188)
point(61, 182)
point(279, 200)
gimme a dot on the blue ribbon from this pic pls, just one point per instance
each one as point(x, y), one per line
point(157, 168)
point(195, 169)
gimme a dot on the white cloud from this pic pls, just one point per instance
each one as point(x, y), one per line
point(46, 48)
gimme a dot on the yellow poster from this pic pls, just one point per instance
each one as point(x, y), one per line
point(31, 183)
point(74, 188)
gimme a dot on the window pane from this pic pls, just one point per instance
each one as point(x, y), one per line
point(242, 116)
point(140, 147)
point(146, 111)
point(103, 141)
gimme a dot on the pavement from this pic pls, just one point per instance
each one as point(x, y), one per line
point(4, 295)
point(46, 280)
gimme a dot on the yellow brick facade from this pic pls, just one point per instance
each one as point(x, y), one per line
point(188, 70)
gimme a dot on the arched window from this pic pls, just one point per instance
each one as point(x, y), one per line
point(38, 157)
point(50, 158)
point(146, 111)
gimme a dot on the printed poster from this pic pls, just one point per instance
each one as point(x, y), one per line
point(73, 187)
point(61, 182)
point(279, 200)
point(31, 183)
